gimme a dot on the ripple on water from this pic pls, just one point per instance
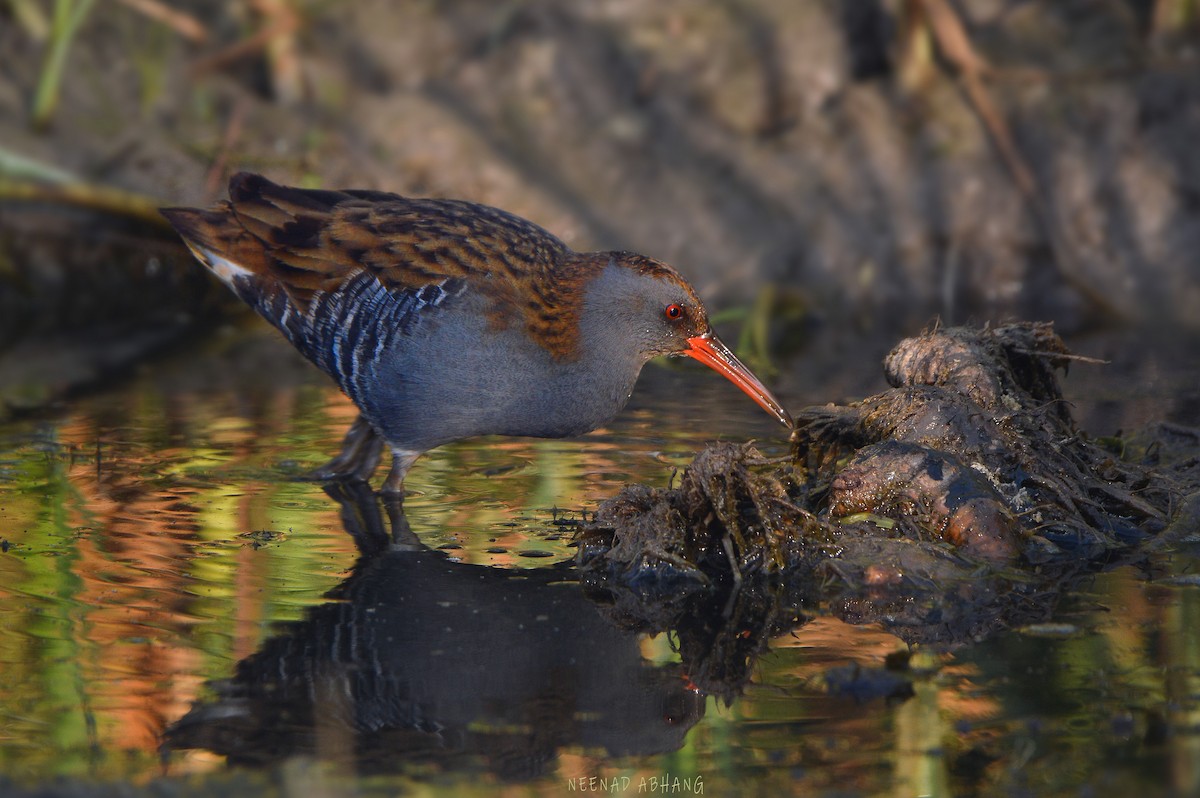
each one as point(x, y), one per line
point(135, 582)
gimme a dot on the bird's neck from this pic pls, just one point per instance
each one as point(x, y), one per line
point(583, 391)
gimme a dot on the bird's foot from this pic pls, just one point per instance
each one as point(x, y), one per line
point(394, 484)
point(361, 449)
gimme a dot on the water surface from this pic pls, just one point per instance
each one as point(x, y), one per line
point(157, 558)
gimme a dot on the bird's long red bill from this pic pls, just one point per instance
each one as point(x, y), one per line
point(712, 352)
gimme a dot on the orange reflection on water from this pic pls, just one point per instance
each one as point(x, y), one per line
point(156, 554)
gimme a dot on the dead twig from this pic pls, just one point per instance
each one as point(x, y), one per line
point(954, 44)
point(235, 52)
point(182, 23)
point(233, 132)
point(283, 53)
point(30, 17)
point(276, 40)
point(1095, 361)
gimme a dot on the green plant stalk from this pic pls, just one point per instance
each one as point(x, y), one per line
point(760, 328)
point(96, 198)
point(18, 167)
point(68, 17)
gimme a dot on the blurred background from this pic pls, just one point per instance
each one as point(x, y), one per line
point(858, 165)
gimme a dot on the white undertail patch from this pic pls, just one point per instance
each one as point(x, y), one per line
point(224, 268)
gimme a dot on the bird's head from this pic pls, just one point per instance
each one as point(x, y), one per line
point(649, 300)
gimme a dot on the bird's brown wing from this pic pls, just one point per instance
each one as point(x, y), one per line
point(306, 242)
point(309, 240)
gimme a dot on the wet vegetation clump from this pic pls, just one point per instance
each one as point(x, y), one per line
point(961, 500)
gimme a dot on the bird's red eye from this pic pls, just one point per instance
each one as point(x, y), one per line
point(674, 311)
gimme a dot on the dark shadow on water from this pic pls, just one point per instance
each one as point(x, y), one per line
point(418, 662)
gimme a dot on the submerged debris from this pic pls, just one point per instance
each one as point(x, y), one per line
point(943, 505)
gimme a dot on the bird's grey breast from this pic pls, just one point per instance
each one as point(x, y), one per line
point(471, 371)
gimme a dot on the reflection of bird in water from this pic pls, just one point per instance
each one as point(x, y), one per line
point(444, 319)
point(424, 660)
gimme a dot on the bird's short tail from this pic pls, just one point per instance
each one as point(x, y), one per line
point(208, 233)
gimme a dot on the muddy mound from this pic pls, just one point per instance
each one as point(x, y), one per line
point(952, 503)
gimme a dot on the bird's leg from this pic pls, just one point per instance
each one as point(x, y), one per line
point(360, 453)
point(401, 461)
